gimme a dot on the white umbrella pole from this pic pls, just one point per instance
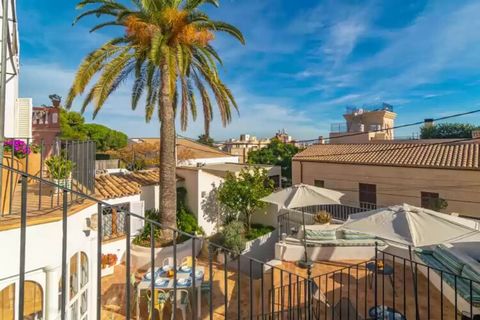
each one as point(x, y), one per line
point(304, 237)
point(414, 278)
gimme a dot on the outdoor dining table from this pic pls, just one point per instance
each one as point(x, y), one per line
point(168, 283)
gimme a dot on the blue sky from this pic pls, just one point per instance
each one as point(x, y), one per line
point(303, 63)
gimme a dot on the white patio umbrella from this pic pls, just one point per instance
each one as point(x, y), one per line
point(303, 195)
point(300, 196)
point(409, 226)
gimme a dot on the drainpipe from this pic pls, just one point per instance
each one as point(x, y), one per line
point(3, 78)
point(301, 171)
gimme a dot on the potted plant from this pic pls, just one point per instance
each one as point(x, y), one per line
point(34, 161)
point(108, 263)
point(15, 152)
point(322, 217)
point(60, 170)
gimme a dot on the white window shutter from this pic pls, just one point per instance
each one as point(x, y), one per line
point(136, 224)
point(23, 118)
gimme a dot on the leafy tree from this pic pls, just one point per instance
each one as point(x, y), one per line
point(206, 140)
point(447, 131)
point(241, 194)
point(166, 46)
point(276, 153)
point(104, 137)
point(73, 127)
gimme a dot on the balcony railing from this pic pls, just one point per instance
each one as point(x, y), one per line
point(41, 195)
point(228, 286)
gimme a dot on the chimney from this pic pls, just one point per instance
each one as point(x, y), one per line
point(428, 123)
point(321, 140)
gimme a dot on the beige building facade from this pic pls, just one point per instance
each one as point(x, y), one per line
point(364, 125)
point(419, 181)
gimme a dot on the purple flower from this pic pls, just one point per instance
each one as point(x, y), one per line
point(18, 147)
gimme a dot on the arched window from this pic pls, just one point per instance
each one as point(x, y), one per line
point(7, 303)
point(33, 305)
point(78, 284)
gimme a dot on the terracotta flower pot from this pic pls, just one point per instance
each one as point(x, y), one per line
point(34, 166)
point(9, 181)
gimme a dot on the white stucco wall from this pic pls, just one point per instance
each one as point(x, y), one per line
point(44, 254)
point(205, 161)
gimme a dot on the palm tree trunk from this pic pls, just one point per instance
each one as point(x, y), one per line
point(168, 188)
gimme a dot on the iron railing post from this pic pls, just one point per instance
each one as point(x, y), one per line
point(128, 276)
point(194, 283)
point(23, 235)
point(99, 259)
point(375, 279)
point(64, 255)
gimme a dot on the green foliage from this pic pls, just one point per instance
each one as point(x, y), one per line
point(59, 167)
point(206, 140)
point(73, 127)
point(448, 131)
point(437, 204)
point(143, 238)
point(186, 222)
point(276, 153)
point(258, 230)
point(241, 195)
point(232, 237)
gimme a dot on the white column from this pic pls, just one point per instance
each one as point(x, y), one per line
point(51, 292)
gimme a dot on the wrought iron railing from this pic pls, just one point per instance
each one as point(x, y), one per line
point(46, 197)
point(228, 289)
point(289, 220)
point(411, 289)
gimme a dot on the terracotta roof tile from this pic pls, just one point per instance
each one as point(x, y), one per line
point(116, 185)
point(452, 156)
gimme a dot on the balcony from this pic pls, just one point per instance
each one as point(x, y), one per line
point(71, 268)
point(44, 199)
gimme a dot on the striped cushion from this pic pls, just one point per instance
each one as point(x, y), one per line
point(469, 273)
point(352, 235)
point(320, 234)
point(463, 286)
point(447, 258)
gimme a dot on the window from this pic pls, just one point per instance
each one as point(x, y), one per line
point(7, 303)
point(79, 276)
point(430, 200)
point(319, 183)
point(113, 220)
point(367, 195)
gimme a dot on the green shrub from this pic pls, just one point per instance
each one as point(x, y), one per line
point(258, 230)
point(233, 237)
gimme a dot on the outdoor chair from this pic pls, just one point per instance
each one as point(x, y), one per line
point(205, 287)
point(186, 261)
point(161, 297)
point(183, 302)
point(167, 262)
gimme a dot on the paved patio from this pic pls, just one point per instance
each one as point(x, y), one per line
point(113, 288)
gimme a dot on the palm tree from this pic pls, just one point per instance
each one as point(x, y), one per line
point(166, 49)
